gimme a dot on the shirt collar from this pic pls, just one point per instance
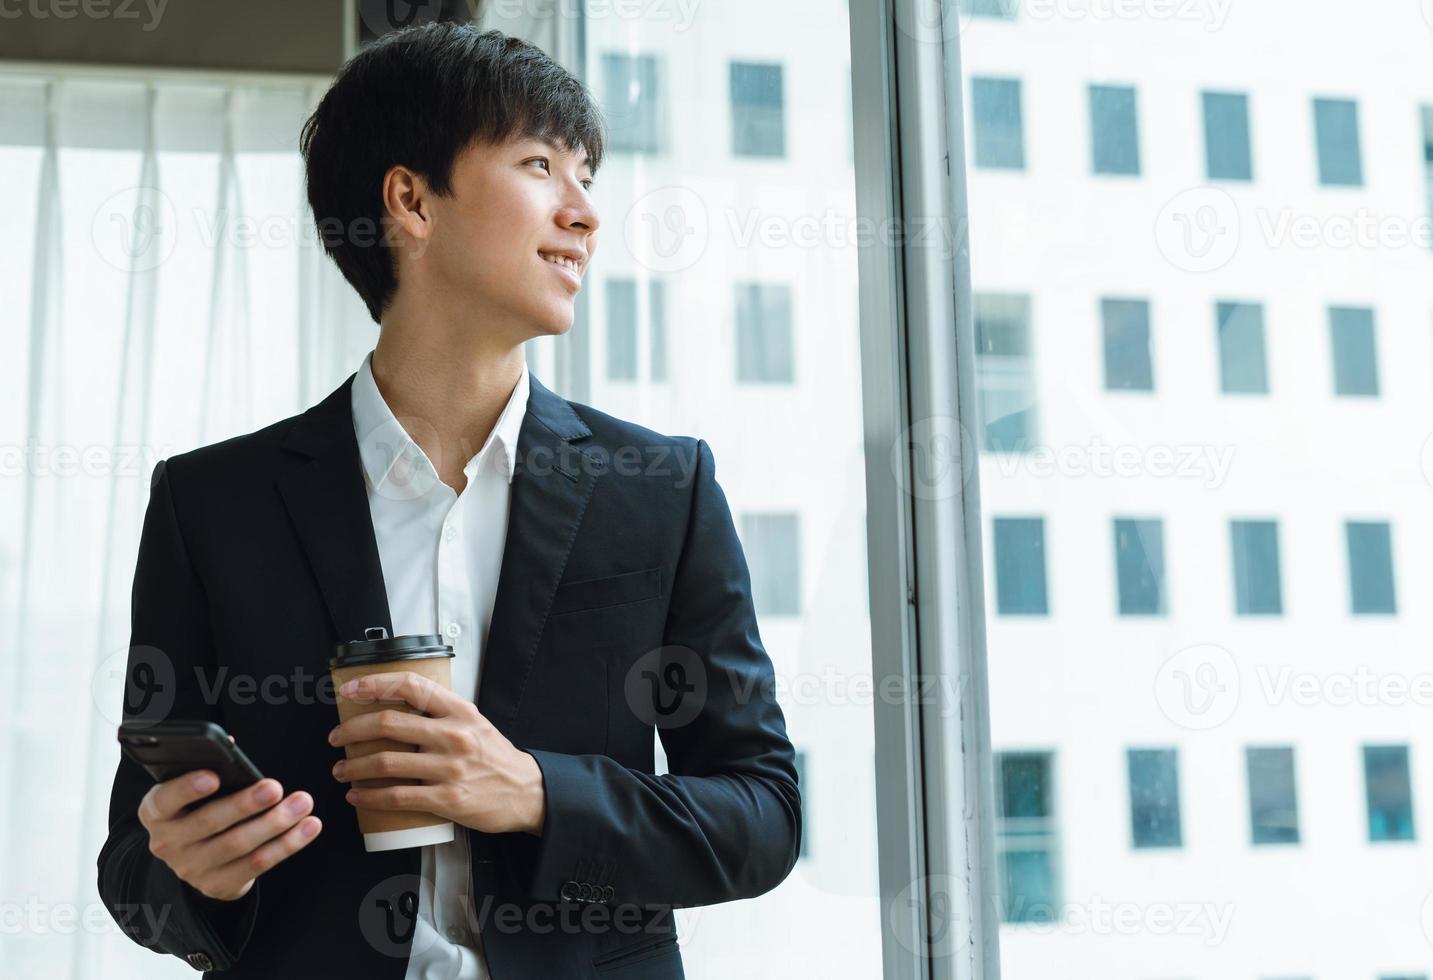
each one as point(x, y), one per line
point(383, 442)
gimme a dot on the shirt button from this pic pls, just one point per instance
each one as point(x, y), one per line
point(455, 934)
point(453, 629)
point(449, 533)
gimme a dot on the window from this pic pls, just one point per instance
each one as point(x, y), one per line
point(1004, 372)
point(1025, 836)
point(657, 323)
point(1273, 803)
point(1020, 566)
point(1226, 136)
point(1127, 356)
point(803, 775)
point(1336, 131)
point(1355, 361)
point(999, 140)
point(1390, 794)
point(631, 94)
point(772, 543)
point(1139, 564)
point(1114, 130)
point(1154, 797)
point(763, 333)
point(621, 330)
point(1257, 590)
point(757, 128)
point(1370, 567)
point(1004, 9)
point(1426, 113)
point(1242, 368)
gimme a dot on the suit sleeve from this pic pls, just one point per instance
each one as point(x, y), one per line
point(725, 821)
point(170, 649)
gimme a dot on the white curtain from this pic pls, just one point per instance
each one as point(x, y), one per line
point(162, 289)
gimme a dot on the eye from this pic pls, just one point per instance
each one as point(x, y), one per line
point(541, 160)
point(587, 183)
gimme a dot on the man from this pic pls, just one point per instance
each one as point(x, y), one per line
point(584, 569)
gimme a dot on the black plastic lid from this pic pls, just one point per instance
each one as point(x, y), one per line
point(378, 647)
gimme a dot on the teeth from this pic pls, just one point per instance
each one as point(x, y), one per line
point(562, 260)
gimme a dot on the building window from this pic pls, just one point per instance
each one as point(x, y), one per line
point(1128, 364)
point(1020, 566)
point(1390, 794)
point(1154, 797)
point(1370, 567)
point(1273, 802)
point(1025, 837)
point(1227, 155)
point(999, 129)
point(1004, 9)
point(763, 333)
point(1139, 564)
point(757, 126)
point(624, 328)
point(621, 330)
point(631, 102)
point(657, 326)
point(803, 773)
point(1336, 131)
point(1114, 130)
point(1355, 359)
point(1005, 376)
point(1257, 589)
point(1427, 115)
point(1243, 366)
point(772, 543)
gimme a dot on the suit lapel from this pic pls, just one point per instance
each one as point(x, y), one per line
point(327, 500)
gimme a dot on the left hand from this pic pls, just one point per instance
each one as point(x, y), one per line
point(473, 775)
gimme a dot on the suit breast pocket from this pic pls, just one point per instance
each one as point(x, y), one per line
point(610, 590)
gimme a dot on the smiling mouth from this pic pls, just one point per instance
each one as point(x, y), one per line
point(570, 267)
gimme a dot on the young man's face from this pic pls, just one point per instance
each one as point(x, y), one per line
point(513, 208)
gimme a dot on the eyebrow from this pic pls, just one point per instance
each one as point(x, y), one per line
point(586, 161)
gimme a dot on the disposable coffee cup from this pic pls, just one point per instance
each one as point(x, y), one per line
point(377, 652)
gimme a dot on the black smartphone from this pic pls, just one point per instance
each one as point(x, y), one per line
point(167, 749)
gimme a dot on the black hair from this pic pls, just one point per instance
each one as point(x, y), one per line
point(418, 97)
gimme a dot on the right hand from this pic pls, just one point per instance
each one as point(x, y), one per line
point(220, 848)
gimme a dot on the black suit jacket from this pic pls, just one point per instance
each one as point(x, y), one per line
point(623, 607)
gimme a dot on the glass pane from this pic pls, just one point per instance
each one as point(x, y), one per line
point(1201, 317)
point(730, 208)
point(996, 109)
point(1226, 136)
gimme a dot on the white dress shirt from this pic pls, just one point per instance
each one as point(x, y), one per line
point(441, 552)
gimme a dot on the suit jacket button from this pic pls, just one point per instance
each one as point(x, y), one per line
point(200, 961)
point(607, 893)
point(569, 890)
point(585, 894)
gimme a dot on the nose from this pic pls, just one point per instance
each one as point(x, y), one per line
point(579, 212)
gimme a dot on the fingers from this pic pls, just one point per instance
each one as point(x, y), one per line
point(165, 800)
point(234, 877)
point(219, 815)
point(241, 840)
point(396, 765)
point(404, 685)
point(391, 723)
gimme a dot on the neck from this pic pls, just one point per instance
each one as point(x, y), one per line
point(446, 388)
